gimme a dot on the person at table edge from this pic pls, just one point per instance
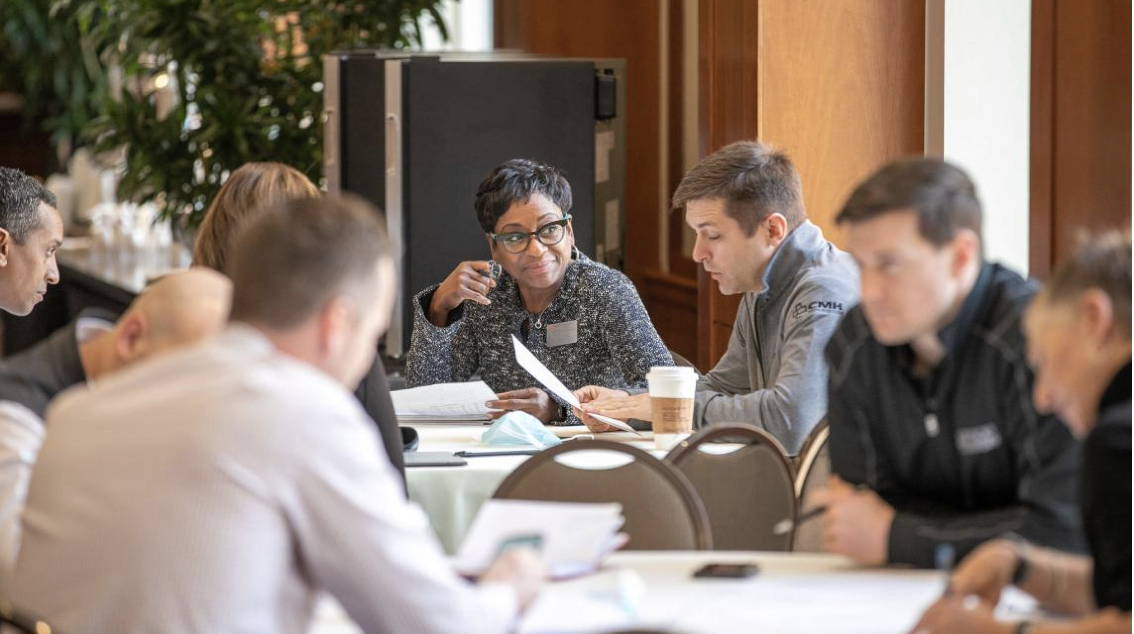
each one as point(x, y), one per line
point(1078, 332)
point(745, 203)
point(935, 442)
point(582, 319)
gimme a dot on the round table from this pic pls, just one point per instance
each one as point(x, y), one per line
point(451, 496)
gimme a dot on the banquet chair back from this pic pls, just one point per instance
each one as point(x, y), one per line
point(814, 471)
point(746, 490)
point(662, 510)
point(681, 361)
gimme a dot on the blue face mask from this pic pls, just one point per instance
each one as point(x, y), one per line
point(519, 429)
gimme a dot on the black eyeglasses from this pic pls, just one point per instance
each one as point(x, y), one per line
point(548, 235)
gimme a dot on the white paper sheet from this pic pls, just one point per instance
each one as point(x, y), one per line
point(444, 402)
point(529, 362)
point(576, 536)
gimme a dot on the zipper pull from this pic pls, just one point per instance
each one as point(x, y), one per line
point(932, 428)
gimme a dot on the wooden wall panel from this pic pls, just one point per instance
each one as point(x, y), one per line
point(727, 39)
point(838, 85)
point(842, 89)
point(1081, 133)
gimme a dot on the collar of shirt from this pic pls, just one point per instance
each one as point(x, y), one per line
point(1118, 391)
point(93, 322)
point(87, 328)
point(786, 262)
point(247, 339)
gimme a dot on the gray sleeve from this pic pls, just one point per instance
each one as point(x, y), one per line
point(439, 354)
point(730, 376)
point(797, 397)
point(633, 342)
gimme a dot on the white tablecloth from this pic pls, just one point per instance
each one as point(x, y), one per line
point(451, 496)
point(794, 593)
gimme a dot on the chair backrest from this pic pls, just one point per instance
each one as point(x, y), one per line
point(662, 510)
point(681, 361)
point(746, 491)
point(814, 471)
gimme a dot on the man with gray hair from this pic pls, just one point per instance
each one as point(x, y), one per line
point(30, 233)
point(223, 488)
point(745, 203)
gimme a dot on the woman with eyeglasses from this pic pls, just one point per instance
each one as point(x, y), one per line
point(582, 319)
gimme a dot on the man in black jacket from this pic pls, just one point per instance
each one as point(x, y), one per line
point(1079, 344)
point(935, 443)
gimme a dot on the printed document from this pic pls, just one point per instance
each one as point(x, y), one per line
point(444, 403)
point(529, 362)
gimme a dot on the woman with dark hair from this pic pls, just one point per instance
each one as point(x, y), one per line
point(583, 320)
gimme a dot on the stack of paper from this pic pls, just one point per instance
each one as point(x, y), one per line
point(575, 536)
point(444, 403)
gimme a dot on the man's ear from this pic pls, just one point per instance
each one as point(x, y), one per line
point(5, 245)
point(776, 226)
point(130, 337)
point(966, 250)
point(491, 244)
point(336, 324)
point(1096, 315)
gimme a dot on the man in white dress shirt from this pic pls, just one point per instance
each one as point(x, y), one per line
point(175, 311)
point(222, 488)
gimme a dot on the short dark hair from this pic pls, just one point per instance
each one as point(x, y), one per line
point(290, 261)
point(20, 196)
point(516, 181)
point(755, 180)
point(941, 194)
point(1102, 261)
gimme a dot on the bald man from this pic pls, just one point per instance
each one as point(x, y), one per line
point(175, 311)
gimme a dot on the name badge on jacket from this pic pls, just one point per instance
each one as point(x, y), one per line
point(562, 334)
point(977, 440)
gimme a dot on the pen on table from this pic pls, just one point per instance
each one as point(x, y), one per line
point(785, 526)
point(500, 452)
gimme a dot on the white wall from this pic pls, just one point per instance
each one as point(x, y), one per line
point(978, 63)
point(470, 27)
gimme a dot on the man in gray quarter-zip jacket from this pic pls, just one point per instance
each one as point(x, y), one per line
point(745, 203)
point(934, 438)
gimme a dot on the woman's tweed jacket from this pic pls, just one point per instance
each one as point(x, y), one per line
point(616, 343)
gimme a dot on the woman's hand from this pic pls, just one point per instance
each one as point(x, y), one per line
point(987, 570)
point(956, 614)
point(470, 280)
point(530, 399)
point(609, 402)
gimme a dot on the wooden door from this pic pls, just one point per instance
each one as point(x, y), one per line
point(1080, 124)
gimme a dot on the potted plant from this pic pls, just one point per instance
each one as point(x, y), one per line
point(245, 77)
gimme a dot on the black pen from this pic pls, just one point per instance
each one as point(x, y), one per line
point(783, 527)
point(499, 452)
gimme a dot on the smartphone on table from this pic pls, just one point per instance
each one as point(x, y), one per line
point(727, 571)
